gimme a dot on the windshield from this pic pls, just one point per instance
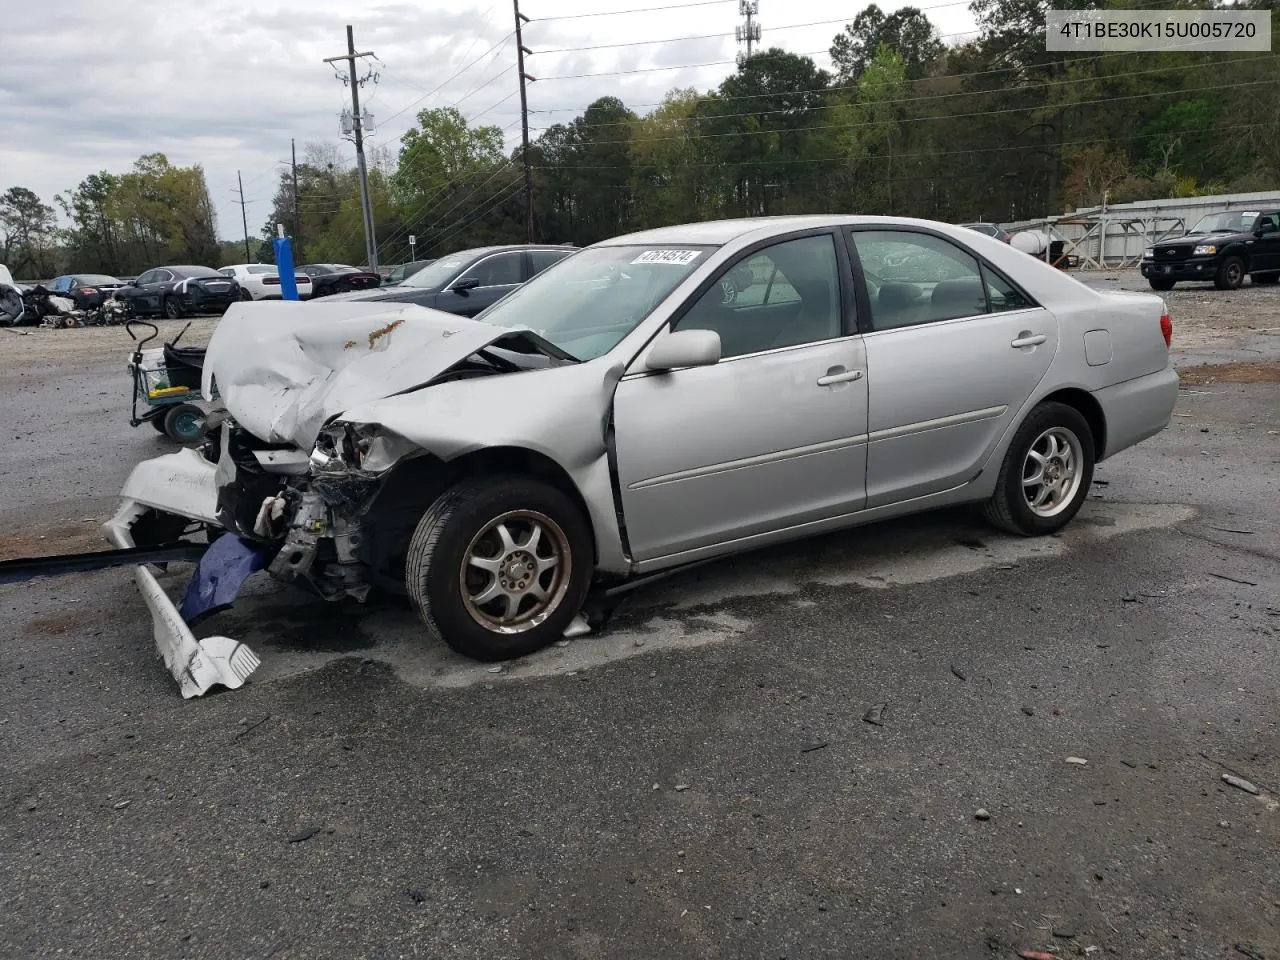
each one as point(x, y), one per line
point(1240, 221)
point(588, 302)
point(436, 275)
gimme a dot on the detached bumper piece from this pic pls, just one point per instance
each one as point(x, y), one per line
point(183, 485)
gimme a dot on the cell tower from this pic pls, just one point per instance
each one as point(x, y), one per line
point(749, 32)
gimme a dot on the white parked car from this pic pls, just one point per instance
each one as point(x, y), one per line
point(261, 281)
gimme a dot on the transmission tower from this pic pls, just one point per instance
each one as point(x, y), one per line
point(749, 32)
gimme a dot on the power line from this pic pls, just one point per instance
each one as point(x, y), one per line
point(501, 196)
point(619, 13)
point(921, 99)
point(954, 116)
point(432, 204)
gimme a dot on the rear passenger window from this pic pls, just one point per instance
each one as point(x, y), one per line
point(915, 278)
point(541, 259)
point(1003, 295)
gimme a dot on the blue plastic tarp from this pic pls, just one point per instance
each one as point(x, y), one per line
point(223, 569)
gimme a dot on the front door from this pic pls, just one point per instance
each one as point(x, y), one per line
point(1265, 254)
point(953, 352)
point(498, 274)
point(774, 434)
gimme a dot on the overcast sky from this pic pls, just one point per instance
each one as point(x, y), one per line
point(88, 85)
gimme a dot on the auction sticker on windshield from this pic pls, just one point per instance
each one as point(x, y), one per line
point(678, 258)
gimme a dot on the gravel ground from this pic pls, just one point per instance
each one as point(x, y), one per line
point(701, 779)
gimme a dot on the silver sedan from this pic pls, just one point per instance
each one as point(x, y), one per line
point(656, 400)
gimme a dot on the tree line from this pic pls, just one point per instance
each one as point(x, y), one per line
point(906, 123)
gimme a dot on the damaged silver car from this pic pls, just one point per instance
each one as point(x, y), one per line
point(652, 401)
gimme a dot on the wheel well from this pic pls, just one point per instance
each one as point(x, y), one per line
point(1089, 408)
point(414, 485)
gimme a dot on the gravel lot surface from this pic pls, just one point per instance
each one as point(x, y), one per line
point(700, 780)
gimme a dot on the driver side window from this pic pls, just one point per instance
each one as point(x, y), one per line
point(500, 271)
point(1270, 223)
point(784, 295)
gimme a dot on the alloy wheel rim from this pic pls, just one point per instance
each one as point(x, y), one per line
point(515, 572)
point(1051, 472)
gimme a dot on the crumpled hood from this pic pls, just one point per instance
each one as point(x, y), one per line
point(285, 368)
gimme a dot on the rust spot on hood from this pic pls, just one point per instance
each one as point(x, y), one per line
point(383, 331)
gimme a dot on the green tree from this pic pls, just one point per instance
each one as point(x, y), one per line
point(906, 31)
point(27, 227)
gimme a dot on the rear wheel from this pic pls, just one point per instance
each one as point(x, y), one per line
point(184, 423)
point(1046, 473)
point(158, 423)
point(245, 294)
point(1265, 277)
point(1159, 283)
point(1230, 274)
point(499, 566)
point(171, 308)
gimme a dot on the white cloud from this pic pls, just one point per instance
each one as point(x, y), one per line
point(93, 84)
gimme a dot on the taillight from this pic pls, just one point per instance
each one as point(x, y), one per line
point(88, 291)
point(1166, 328)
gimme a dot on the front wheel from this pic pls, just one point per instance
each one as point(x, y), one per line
point(499, 566)
point(1230, 274)
point(1046, 474)
point(1159, 283)
point(171, 308)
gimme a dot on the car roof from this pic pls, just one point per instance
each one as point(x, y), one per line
point(721, 232)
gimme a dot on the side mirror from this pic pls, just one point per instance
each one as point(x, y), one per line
point(685, 348)
point(465, 284)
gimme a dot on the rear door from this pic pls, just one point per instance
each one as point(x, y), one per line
point(772, 436)
point(954, 350)
point(1266, 248)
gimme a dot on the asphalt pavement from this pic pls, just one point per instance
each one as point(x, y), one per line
point(703, 779)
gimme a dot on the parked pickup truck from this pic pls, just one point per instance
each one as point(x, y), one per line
point(1223, 248)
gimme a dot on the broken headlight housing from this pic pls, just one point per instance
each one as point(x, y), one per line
point(341, 448)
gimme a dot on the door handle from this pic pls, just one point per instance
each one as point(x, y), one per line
point(840, 377)
point(1027, 340)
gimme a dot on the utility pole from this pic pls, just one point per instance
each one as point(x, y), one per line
point(244, 219)
point(370, 242)
point(521, 50)
point(748, 32)
point(297, 216)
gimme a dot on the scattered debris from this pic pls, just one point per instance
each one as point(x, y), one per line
point(809, 748)
point(1131, 766)
point(1066, 933)
point(1078, 761)
point(958, 672)
point(252, 726)
point(1223, 576)
point(981, 814)
point(302, 836)
point(1240, 783)
point(122, 804)
point(681, 787)
point(1250, 951)
point(495, 669)
point(417, 896)
point(1130, 597)
point(876, 714)
point(1230, 530)
point(1037, 955)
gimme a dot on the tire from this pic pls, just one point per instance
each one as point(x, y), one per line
point(245, 295)
point(158, 423)
point(184, 423)
point(1265, 278)
point(1009, 508)
point(462, 522)
point(171, 308)
point(1160, 284)
point(1230, 274)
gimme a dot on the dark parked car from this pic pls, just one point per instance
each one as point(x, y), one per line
point(180, 290)
point(990, 229)
point(1222, 247)
point(468, 281)
point(330, 278)
point(401, 271)
point(88, 290)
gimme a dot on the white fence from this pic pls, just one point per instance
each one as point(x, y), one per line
point(1115, 236)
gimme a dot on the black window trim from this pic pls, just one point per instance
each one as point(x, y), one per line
point(848, 324)
point(864, 299)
